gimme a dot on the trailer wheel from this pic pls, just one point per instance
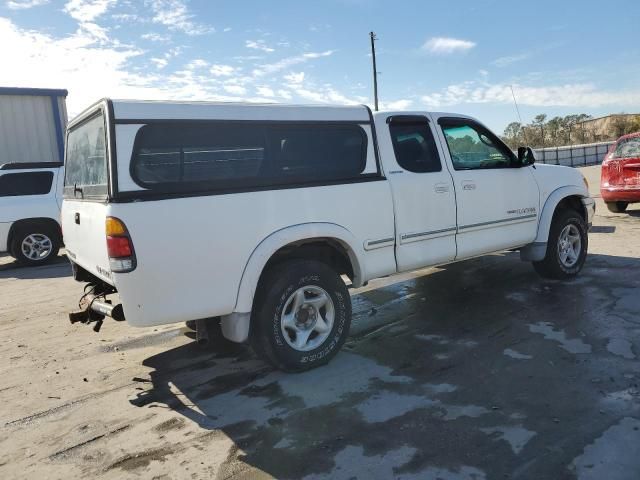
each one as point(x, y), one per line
point(35, 244)
point(301, 315)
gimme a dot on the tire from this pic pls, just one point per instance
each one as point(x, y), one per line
point(35, 244)
point(303, 303)
point(617, 207)
point(553, 266)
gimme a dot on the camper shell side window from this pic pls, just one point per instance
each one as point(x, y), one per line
point(218, 156)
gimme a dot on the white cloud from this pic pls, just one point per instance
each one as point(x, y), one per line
point(197, 63)
point(218, 70)
point(265, 91)
point(175, 15)
point(324, 94)
point(24, 4)
point(294, 77)
point(583, 95)
point(155, 37)
point(402, 104)
point(258, 45)
point(235, 89)
point(285, 94)
point(76, 62)
point(92, 68)
point(508, 60)
point(160, 62)
point(287, 62)
point(87, 10)
point(309, 91)
point(127, 17)
point(445, 45)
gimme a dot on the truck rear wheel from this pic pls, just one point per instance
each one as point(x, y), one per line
point(617, 207)
point(35, 244)
point(566, 247)
point(301, 315)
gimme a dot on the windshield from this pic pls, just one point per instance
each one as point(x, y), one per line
point(86, 164)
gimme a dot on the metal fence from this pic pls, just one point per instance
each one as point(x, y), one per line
point(574, 155)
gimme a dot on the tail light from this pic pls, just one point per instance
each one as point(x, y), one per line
point(122, 257)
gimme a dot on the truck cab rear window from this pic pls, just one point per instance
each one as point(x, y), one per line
point(28, 183)
point(194, 156)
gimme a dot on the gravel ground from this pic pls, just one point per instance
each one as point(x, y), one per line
point(475, 370)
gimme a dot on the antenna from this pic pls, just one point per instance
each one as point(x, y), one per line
point(524, 130)
point(375, 72)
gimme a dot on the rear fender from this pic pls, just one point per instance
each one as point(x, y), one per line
point(271, 244)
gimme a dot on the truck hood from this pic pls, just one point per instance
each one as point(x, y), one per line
point(552, 177)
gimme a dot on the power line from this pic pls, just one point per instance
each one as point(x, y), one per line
point(524, 130)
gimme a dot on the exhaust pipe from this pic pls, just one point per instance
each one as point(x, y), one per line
point(202, 332)
point(106, 309)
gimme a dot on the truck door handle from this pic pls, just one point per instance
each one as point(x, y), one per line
point(77, 218)
point(468, 185)
point(441, 188)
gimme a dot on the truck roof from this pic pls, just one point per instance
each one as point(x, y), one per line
point(393, 113)
point(140, 111)
point(132, 110)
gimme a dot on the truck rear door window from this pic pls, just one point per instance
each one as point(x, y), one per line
point(415, 147)
point(86, 160)
point(187, 156)
point(27, 183)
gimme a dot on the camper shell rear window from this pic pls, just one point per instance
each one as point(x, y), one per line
point(222, 156)
point(86, 159)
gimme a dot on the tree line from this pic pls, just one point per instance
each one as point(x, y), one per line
point(568, 130)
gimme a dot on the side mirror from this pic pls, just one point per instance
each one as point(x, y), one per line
point(526, 156)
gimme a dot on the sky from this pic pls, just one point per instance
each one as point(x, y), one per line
point(560, 57)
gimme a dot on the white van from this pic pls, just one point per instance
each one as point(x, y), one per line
point(251, 213)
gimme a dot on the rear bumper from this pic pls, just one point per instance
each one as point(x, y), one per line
point(620, 194)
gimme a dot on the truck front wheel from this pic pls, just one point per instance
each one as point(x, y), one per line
point(301, 315)
point(566, 247)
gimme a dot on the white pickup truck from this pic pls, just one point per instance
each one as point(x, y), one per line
point(251, 215)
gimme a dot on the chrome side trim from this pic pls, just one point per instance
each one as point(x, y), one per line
point(381, 242)
point(418, 235)
point(495, 222)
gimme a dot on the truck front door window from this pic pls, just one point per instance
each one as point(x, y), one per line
point(472, 149)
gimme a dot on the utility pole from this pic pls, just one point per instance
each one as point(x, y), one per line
point(375, 70)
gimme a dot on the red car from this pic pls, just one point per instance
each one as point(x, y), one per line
point(620, 177)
